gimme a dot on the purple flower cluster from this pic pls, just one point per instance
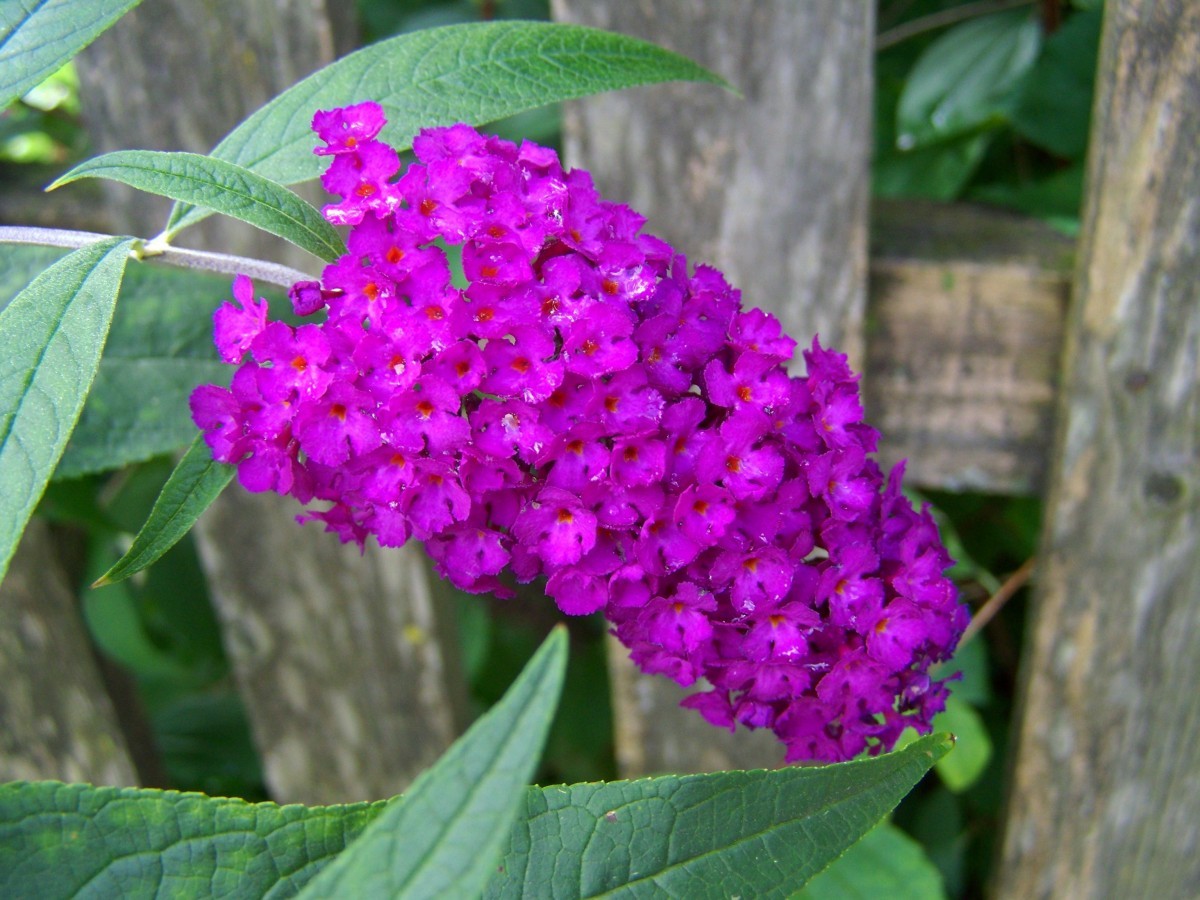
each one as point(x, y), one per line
point(587, 410)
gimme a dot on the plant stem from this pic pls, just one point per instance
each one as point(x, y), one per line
point(223, 263)
point(996, 602)
point(941, 19)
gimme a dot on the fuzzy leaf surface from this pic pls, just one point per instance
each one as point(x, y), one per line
point(219, 186)
point(37, 37)
point(474, 73)
point(52, 333)
point(773, 830)
point(752, 834)
point(159, 348)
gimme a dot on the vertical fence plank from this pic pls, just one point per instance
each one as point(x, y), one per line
point(341, 658)
point(1105, 800)
point(179, 75)
point(56, 719)
point(349, 679)
point(770, 187)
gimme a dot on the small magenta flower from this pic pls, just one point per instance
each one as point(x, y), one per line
point(589, 411)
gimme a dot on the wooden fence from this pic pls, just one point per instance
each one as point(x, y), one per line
point(997, 357)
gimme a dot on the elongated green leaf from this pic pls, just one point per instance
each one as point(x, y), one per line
point(59, 840)
point(885, 863)
point(441, 838)
point(39, 36)
point(196, 482)
point(221, 186)
point(161, 335)
point(1054, 109)
point(52, 334)
point(753, 834)
point(966, 77)
point(472, 73)
point(601, 839)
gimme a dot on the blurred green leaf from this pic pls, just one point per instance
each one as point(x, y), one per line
point(938, 823)
point(205, 743)
point(112, 618)
point(38, 36)
point(971, 659)
point(220, 186)
point(964, 79)
point(973, 749)
point(937, 172)
point(20, 264)
point(194, 484)
point(52, 333)
point(461, 73)
point(1056, 199)
point(886, 863)
point(442, 836)
point(1054, 104)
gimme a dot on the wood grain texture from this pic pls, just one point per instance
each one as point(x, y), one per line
point(770, 187)
point(56, 718)
point(1105, 800)
point(180, 74)
point(341, 658)
point(965, 324)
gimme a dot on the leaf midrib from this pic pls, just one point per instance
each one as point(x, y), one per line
point(821, 810)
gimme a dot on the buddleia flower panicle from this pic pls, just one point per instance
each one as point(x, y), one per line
point(592, 411)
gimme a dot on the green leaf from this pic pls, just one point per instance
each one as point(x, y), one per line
point(196, 482)
point(60, 840)
point(117, 628)
point(161, 335)
point(52, 334)
point(221, 186)
point(964, 79)
point(442, 836)
point(936, 172)
point(973, 749)
point(38, 36)
point(1054, 105)
point(885, 863)
point(752, 834)
point(474, 73)
point(700, 835)
point(1056, 199)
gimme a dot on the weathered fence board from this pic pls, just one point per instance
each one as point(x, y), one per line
point(179, 75)
point(340, 657)
point(770, 187)
point(56, 719)
point(340, 660)
point(1105, 800)
point(964, 342)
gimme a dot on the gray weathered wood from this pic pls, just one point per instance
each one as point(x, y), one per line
point(180, 74)
point(341, 659)
point(56, 719)
point(1105, 798)
point(770, 187)
point(964, 343)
